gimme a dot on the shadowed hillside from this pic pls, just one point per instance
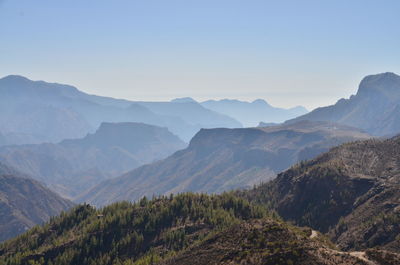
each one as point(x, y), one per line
point(24, 203)
point(351, 192)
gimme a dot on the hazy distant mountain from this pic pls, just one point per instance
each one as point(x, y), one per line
point(224, 159)
point(49, 112)
point(267, 124)
point(25, 203)
point(183, 100)
point(375, 108)
point(351, 192)
point(73, 166)
point(250, 114)
point(192, 113)
point(18, 138)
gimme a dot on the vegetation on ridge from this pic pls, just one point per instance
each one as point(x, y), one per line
point(124, 233)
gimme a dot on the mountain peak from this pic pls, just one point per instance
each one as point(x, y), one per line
point(184, 100)
point(375, 108)
point(15, 78)
point(260, 102)
point(299, 109)
point(34, 87)
point(384, 83)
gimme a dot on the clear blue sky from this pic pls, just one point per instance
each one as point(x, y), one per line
point(287, 52)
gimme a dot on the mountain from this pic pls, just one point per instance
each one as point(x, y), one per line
point(267, 124)
point(50, 112)
point(73, 166)
point(184, 100)
point(217, 160)
point(351, 192)
point(192, 113)
point(17, 138)
point(252, 113)
point(24, 203)
point(375, 108)
point(260, 242)
point(128, 231)
point(183, 229)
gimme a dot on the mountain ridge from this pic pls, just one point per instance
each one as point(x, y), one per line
point(351, 192)
point(25, 203)
point(74, 165)
point(382, 91)
point(252, 113)
point(222, 159)
point(183, 229)
point(63, 112)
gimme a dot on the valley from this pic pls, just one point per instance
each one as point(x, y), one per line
point(199, 132)
point(306, 191)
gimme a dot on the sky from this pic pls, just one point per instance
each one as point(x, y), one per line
point(289, 53)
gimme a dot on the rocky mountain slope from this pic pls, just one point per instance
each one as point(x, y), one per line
point(25, 203)
point(50, 112)
point(73, 166)
point(375, 108)
point(217, 160)
point(351, 192)
point(268, 242)
point(182, 229)
point(252, 113)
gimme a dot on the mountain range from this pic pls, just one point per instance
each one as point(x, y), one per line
point(25, 203)
point(250, 114)
point(375, 108)
point(218, 160)
point(73, 166)
point(336, 199)
point(50, 112)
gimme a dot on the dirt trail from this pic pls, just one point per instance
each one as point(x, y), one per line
point(361, 255)
point(314, 234)
point(358, 254)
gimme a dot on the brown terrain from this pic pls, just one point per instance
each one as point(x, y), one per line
point(270, 242)
point(352, 193)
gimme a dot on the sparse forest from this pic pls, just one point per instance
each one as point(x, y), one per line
point(128, 233)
